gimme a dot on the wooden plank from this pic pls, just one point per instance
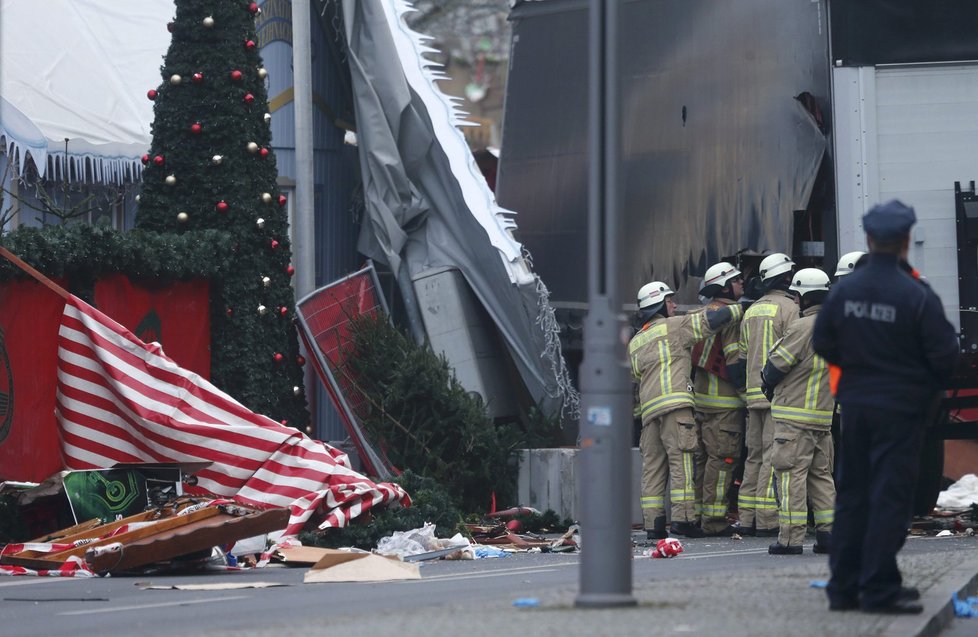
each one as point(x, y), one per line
point(199, 535)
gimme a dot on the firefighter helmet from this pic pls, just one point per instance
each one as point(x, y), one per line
point(809, 280)
point(652, 295)
point(716, 278)
point(848, 263)
point(773, 265)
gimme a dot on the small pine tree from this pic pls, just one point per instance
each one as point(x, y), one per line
point(211, 167)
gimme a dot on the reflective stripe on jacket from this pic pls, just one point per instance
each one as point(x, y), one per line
point(763, 324)
point(803, 397)
point(660, 358)
point(712, 393)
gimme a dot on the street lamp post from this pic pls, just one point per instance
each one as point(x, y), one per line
point(606, 404)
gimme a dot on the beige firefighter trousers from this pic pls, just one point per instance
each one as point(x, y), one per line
point(756, 502)
point(723, 433)
point(802, 460)
point(671, 451)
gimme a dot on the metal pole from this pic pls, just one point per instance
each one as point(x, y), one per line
point(605, 487)
point(305, 222)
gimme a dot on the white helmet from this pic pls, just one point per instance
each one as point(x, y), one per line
point(717, 275)
point(809, 280)
point(848, 262)
point(652, 295)
point(775, 264)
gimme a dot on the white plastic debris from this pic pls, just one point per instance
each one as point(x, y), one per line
point(945, 533)
point(960, 495)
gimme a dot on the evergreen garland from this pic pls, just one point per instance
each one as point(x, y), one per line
point(425, 421)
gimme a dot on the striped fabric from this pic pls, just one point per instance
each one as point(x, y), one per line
point(122, 400)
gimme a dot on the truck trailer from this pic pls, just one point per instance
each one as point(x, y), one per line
point(753, 127)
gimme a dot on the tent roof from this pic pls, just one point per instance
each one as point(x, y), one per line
point(80, 73)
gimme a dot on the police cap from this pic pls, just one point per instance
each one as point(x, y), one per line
point(889, 221)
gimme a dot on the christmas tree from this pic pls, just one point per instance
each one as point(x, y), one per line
point(211, 167)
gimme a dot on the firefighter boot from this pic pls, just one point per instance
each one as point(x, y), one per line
point(658, 530)
point(687, 529)
point(823, 541)
point(780, 549)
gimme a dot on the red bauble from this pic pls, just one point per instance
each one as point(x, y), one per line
point(249, 44)
point(169, 27)
point(274, 244)
point(263, 152)
point(229, 311)
point(282, 200)
point(300, 360)
point(197, 78)
point(236, 75)
point(159, 160)
point(144, 159)
point(253, 7)
point(290, 270)
point(285, 423)
point(278, 357)
point(249, 98)
point(222, 206)
point(283, 310)
point(196, 128)
point(151, 94)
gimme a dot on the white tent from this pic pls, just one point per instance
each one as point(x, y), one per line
point(79, 71)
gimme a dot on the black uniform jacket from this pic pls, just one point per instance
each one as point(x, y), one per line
point(888, 333)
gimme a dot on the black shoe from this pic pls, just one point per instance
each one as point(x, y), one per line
point(725, 532)
point(687, 529)
point(843, 604)
point(899, 606)
point(780, 549)
point(766, 532)
point(658, 530)
point(746, 531)
point(652, 534)
point(823, 540)
point(911, 593)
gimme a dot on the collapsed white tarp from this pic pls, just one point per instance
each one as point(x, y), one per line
point(960, 495)
point(79, 71)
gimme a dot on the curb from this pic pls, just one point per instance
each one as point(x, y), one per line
point(938, 605)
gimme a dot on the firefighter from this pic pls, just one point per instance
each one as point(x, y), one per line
point(795, 380)
point(888, 334)
point(719, 405)
point(763, 324)
point(670, 441)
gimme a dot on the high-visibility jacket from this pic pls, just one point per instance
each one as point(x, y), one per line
point(802, 397)
point(660, 358)
point(712, 392)
point(764, 323)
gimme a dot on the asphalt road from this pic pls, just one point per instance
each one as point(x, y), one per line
point(46, 607)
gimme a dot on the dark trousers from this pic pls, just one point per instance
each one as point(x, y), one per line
point(876, 473)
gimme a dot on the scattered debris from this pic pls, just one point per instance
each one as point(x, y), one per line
point(965, 608)
point(349, 566)
point(177, 528)
point(526, 602)
point(669, 547)
point(960, 495)
point(227, 586)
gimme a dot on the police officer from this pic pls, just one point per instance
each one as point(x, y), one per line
point(796, 381)
point(670, 441)
point(888, 334)
point(763, 324)
point(719, 405)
